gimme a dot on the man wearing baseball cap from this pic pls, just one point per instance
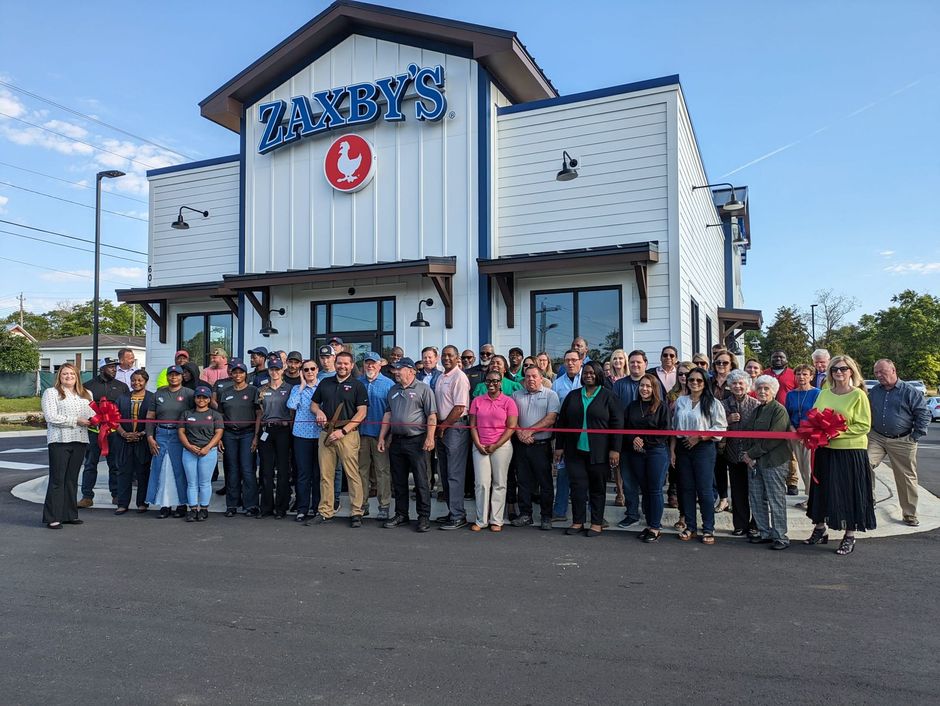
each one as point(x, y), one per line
point(258, 357)
point(238, 404)
point(373, 464)
point(181, 358)
point(292, 373)
point(411, 420)
point(218, 366)
point(103, 385)
point(327, 361)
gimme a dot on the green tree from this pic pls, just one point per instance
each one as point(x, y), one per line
point(788, 334)
point(17, 354)
point(116, 319)
point(35, 324)
point(908, 333)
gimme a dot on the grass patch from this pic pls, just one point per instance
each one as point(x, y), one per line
point(19, 404)
point(17, 427)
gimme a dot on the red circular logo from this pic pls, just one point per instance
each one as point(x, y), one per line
point(349, 163)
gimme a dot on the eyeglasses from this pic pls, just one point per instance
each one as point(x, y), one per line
point(493, 382)
point(668, 355)
point(466, 357)
point(841, 368)
point(701, 363)
point(697, 381)
point(682, 375)
point(484, 354)
point(722, 363)
point(309, 370)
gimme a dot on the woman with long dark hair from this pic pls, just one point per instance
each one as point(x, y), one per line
point(694, 455)
point(723, 363)
point(648, 456)
point(589, 456)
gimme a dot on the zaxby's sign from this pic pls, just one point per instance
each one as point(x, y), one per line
point(286, 122)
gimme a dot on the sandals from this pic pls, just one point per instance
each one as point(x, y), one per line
point(847, 546)
point(649, 535)
point(708, 538)
point(685, 535)
point(120, 511)
point(680, 525)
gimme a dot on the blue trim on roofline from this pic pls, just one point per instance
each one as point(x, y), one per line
point(242, 140)
point(483, 201)
point(589, 95)
point(192, 165)
point(371, 32)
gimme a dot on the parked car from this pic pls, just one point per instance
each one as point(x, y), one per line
point(918, 385)
point(870, 384)
point(933, 404)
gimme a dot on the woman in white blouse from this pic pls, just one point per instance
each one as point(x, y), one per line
point(66, 409)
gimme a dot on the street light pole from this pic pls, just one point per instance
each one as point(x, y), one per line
point(812, 316)
point(110, 174)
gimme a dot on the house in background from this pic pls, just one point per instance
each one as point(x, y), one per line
point(17, 330)
point(77, 350)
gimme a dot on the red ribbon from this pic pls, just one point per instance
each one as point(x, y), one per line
point(818, 429)
point(107, 417)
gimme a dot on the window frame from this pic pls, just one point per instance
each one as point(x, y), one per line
point(205, 329)
point(378, 333)
point(696, 333)
point(575, 306)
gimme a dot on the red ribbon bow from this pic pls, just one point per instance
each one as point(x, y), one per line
point(818, 429)
point(107, 417)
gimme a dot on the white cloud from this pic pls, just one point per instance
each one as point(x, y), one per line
point(75, 276)
point(886, 253)
point(10, 104)
point(127, 273)
point(70, 129)
point(917, 268)
point(4, 200)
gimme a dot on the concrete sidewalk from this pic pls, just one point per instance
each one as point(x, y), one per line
point(887, 512)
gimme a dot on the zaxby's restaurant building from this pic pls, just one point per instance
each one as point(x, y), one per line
point(389, 159)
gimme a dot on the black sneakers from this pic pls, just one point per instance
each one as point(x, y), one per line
point(318, 519)
point(424, 524)
point(355, 521)
point(396, 521)
point(454, 524)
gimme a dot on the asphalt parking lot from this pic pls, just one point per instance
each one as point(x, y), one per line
point(139, 610)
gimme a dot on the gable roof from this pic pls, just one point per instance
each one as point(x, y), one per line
point(499, 51)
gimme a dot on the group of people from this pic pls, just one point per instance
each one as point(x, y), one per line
point(510, 432)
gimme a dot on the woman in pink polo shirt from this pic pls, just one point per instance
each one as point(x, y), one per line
point(493, 419)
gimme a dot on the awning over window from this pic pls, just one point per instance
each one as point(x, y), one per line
point(734, 322)
point(153, 300)
point(503, 270)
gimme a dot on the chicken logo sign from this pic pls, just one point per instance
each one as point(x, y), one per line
point(349, 163)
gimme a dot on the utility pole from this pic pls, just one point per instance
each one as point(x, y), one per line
point(812, 314)
point(22, 299)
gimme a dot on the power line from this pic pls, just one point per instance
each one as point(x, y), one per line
point(75, 139)
point(72, 247)
point(93, 119)
point(52, 269)
point(76, 203)
point(70, 237)
point(73, 183)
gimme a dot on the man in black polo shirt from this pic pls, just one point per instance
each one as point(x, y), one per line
point(292, 371)
point(340, 404)
point(103, 385)
point(411, 420)
point(258, 357)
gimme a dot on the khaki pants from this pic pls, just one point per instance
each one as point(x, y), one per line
point(373, 464)
point(803, 460)
point(347, 451)
point(793, 476)
point(902, 456)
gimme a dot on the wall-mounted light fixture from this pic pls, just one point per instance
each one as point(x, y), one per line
point(266, 328)
point(180, 224)
point(736, 236)
point(568, 171)
point(420, 321)
point(732, 204)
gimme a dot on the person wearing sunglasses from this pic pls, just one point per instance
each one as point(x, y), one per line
point(784, 375)
point(694, 455)
point(476, 373)
point(700, 361)
point(722, 364)
point(666, 371)
point(841, 492)
point(306, 439)
point(680, 388)
point(493, 419)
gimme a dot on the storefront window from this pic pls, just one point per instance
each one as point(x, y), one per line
point(363, 324)
point(200, 333)
point(561, 315)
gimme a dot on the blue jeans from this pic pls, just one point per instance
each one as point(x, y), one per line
point(631, 487)
point(452, 465)
point(696, 468)
point(170, 446)
point(649, 469)
point(241, 483)
point(308, 474)
point(199, 471)
point(90, 473)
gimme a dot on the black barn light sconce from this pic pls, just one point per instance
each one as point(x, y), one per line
point(568, 171)
point(732, 204)
point(180, 224)
point(420, 321)
point(266, 328)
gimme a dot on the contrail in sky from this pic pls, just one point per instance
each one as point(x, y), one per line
point(822, 129)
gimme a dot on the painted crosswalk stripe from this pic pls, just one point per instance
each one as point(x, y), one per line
point(16, 466)
point(25, 451)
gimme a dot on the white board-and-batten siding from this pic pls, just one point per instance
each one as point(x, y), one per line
point(701, 263)
point(209, 248)
point(624, 147)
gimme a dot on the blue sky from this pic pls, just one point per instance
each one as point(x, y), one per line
point(827, 111)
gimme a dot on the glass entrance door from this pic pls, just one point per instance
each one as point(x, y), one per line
point(363, 324)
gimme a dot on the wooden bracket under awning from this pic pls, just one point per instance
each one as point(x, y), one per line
point(733, 322)
point(503, 270)
point(155, 300)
